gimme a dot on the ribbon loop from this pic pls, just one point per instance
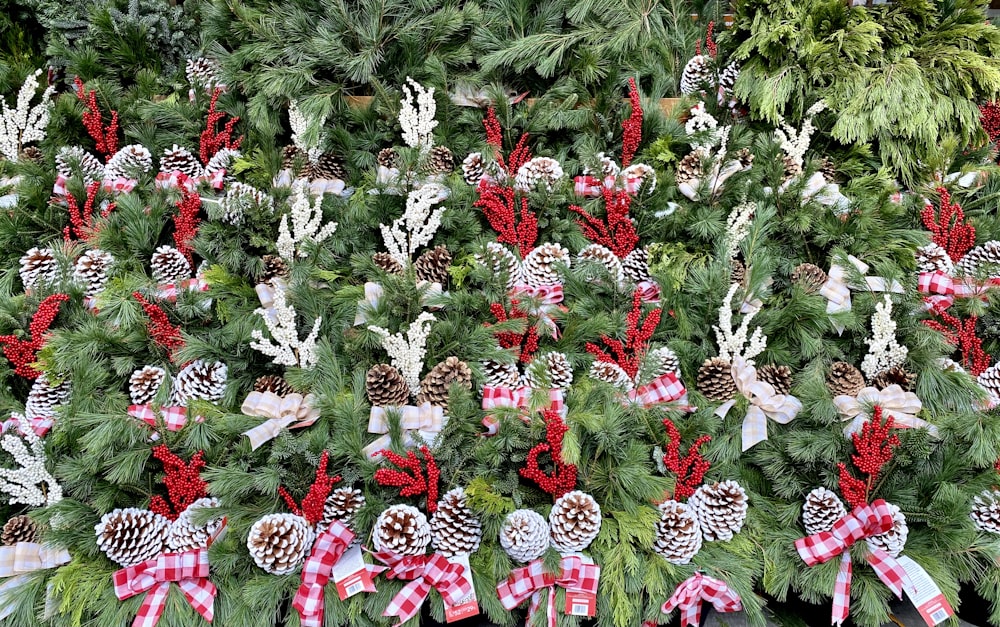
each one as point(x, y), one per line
point(533, 581)
point(174, 416)
point(189, 570)
point(896, 403)
point(292, 411)
point(692, 591)
point(425, 421)
point(666, 388)
point(838, 293)
point(499, 396)
point(424, 572)
point(316, 572)
point(543, 302)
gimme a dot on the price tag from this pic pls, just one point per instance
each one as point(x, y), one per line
point(925, 595)
point(469, 605)
point(581, 602)
point(350, 574)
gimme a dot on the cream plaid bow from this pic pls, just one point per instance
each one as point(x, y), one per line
point(764, 403)
point(426, 421)
point(902, 406)
point(838, 294)
point(292, 412)
point(22, 558)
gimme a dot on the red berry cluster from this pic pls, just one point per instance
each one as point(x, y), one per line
point(962, 333)
point(989, 116)
point(82, 223)
point(690, 469)
point(501, 209)
point(628, 355)
point(525, 343)
point(213, 140)
point(183, 481)
point(617, 230)
point(163, 333)
point(105, 138)
point(22, 353)
point(874, 445)
point(950, 230)
point(412, 484)
point(632, 126)
point(494, 137)
point(186, 223)
point(315, 499)
point(563, 477)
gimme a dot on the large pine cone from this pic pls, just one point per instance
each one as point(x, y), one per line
point(933, 258)
point(403, 530)
point(45, 397)
point(501, 374)
point(131, 536)
point(603, 256)
point(274, 268)
point(844, 379)
point(278, 543)
point(989, 380)
point(203, 73)
point(435, 386)
point(145, 383)
point(985, 512)
point(386, 387)
point(441, 160)
point(678, 534)
point(715, 379)
point(502, 262)
point(241, 198)
point(610, 373)
point(636, 265)
point(274, 384)
point(473, 168)
point(539, 266)
point(388, 263)
point(432, 266)
point(169, 265)
point(178, 159)
point(983, 259)
point(823, 508)
point(894, 540)
point(455, 530)
point(721, 509)
point(551, 370)
point(199, 380)
point(780, 377)
point(728, 76)
point(38, 267)
point(663, 360)
point(185, 535)
point(19, 529)
point(897, 375)
point(70, 160)
point(327, 166)
point(342, 505)
point(131, 162)
point(697, 75)
point(540, 172)
point(575, 520)
point(524, 535)
point(811, 277)
point(91, 271)
point(222, 160)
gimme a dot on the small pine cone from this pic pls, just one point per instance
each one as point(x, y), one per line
point(828, 169)
point(792, 168)
point(737, 272)
point(203, 73)
point(441, 160)
point(524, 535)
point(636, 265)
point(539, 267)
point(343, 505)
point(69, 160)
point(222, 160)
point(473, 168)
point(985, 512)
point(603, 256)
point(199, 380)
point(455, 530)
point(131, 536)
point(664, 360)
point(19, 529)
point(897, 375)
point(745, 157)
point(697, 75)
point(91, 271)
point(290, 157)
point(388, 263)
point(678, 534)
point(274, 268)
point(894, 540)
point(386, 387)
point(327, 166)
point(32, 154)
point(403, 530)
point(715, 379)
point(502, 262)
point(435, 386)
point(610, 373)
point(131, 162)
point(388, 158)
point(574, 522)
point(721, 509)
point(39, 267)
point(811, 277)
point(844, 379)
point(688, 169)
point(145, 383)
point(551, 370)
point(780, 377)
point(278, 543)
point(432, 266)
point(540, 172)
point(989, 380)
point(178, 159)
point(272, 383)
point(728, 76)
point(933, 258)
point(501, 374)
point(169, 265)
point(45, 397)
point(984, 259)
point(185, 535)
point(823, 508)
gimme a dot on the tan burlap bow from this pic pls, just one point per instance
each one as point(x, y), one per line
point(764, 403)
point(282, 412)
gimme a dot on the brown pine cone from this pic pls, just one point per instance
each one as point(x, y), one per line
point(574, 522)
point(441, 160)
point(844, 379)
point(32, 154)
point(169, 265)
point(403, 530)
point(792, 168)
point(388, 158)
point(738, 271)
point(199, 380)
point(432, 266)
point(38, 267)
point(829, 170)
point(810, 277)
point(721, 509)
point(745, 157)
point(455, 530)
point(386, 386)
point(274, 268)
point(473, 168)
point(780, 377)
point(897, 375)
point(274, 384)
point(278, 543)
point(19, 529)
point(435, 386)
point(715, 379)
point(388, 263)
point(145, 383)
point(327, 166)
point(178, 159)
point(343, 505)
point(823, 508)
point(290, 158)
point(131, 536)
point(678, 533)
point(688, 169)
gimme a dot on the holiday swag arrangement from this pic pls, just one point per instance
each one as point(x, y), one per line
point(570, 363)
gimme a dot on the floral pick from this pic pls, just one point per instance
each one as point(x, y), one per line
point(314, 501)
point(105, 137)
point(183, 481)
point(413, 484)
point(22, 353)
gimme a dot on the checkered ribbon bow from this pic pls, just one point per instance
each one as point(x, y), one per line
point(179, 180)
point(896, 403)
point(423, 572)
point(425, 421)
point(169, 291)
point(592, 186)
point(649, 292)
point(543, 302)
point(865, 521)
point(764, 403)
point(500, 396)
point(37, 424)
point(326, 552)
point(189, 570)
point(533, 581)
point(293, 411)
point(22, 558)
point(942, 290)
point(692, 591)
point(665, 388)
point(119, 185)
point(174, 416)
point(838, 293)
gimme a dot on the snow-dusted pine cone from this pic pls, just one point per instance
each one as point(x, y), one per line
point(550, 370)
point(636, 265)
point(715, 379)
point(186, 535)
point(539, 266)
point(179, 159)
point(342, 505)
point(697, 75)
point(91, 271)
point(388, 158)
point(678, 533)
point(70, 160)
point(985, 512)
point(403, 530)
point(498, 374)
point(989, 380)
point(473, 168)
point(222, 160)
point(199, 380)
point(844, 379)
point(663, 360)
point(538, 173)
point(203, 73)
point(144, 383)
point(131, 536)
point(387, 262)
point(983, 259)
point(780, 377)
point(169, 265)
point(279, 543)
point(728, 76)
point(19, 529)
point(455, 529)
point(130, 162)
point(432, 266)
point(810, 276)
point(39, 267)
point(502, 262)
point(272, 383)
point(608, 167)
point(241, 198)
point(524, 535)
point(894, 540)
point(435, 386)
point(610, 373)
point(897, 375)
point(574, 522)
point(688, 169)
point(441, 161)
point(645, 174)
point(721, 509)
point(933, 258)
point(386, 386)
point(823, 508)
point(45, 397)
point(603, 256)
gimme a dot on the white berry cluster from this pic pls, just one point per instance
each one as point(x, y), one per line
point(795, 143)
point(307, 137)
point(24, 124)
point(418, 224)
point(286, 348)
point(407, 353)
point(734, 343)
point(306, 219)
point(884, 352)
point(418, 121)
point(25, 483)
point(738, 227)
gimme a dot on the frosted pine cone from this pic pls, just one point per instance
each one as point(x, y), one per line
point(272, 383)
point(45, 397)
point(524, 535)
point(538, 173)
point(441, 160)
point(636, 265)
point(327, 166)
point(645, 174)
point(933, 258)
point(892, 541)
point(279, 543)
point(39, 267)
point(241, 198)
point(697, 75)
point(222, 160)
point(145, 383)
point(342, 505)
point(435, 386)
point(432, 266)
point(539, 267)
point(386, 387)
point(844, 379)
point(984, 259)
point(603, 256)
point(738, 271)
point(728, 76)
point(678, 533)
point(455, 530)
point(502, 262)
point(721, 509)
point(715, 379)
point(403, 530)
point(688, 169)
point(551, 370)
point(574, 522)
point(823, 508)
point(179, 159)
point(611, 373)
point(185, 535)
point(608, 167)
point(91, 271)
point(498, 374)
point(130, 162)
point(985, 512)
point(131, 536)
point(199, 380)
point(811, 277)
point(169, 265)
point(779, 377)
point(989, 380)
point(19, 529)
point(897, 375)
point(663, 360)
point(473, 168)
point(70, 160)
point(204, 73)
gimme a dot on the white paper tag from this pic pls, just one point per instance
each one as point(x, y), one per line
point(469, 605)
point(350, 574)
point(925, 595)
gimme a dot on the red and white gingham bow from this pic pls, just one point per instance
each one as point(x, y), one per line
point(423, 572)
point(174, 416)
point(316, 572)
point(179, 180)
point(533, 580)
point(592, 186)
point(189, 570)
point(865, 521)
point(665, 388)
point(697, 588)
point(942, 290)
point(501, 396)
point(37, 424)
point(649, 292)
point(545, 301)
point(119, 185)
point(169, 291)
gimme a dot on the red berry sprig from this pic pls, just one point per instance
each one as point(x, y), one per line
point(510, 217)
point(962, 333)
point(23, 353)
point(105, 138)
point(413, 484)
point(82, 224)
point(989, 116)
point(494, 137)
point(874, 445)
point(186, 223)
point(525, 343)
point(628, 355)
point(689, 469)
point(183, 481)
point(315, 499)
point(616, 231)
point(563, 477)
point(950, 230)
point(163, 333)
point(632, 126)
point(213, 140)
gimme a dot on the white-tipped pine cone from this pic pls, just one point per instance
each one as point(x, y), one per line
point(131, 536)
point(728, 76)
point(502, 262)
point(822, 510)
point(403, 530)
point(678, 533)
point(933, 258)
point(199, 380)
point(501, 374)
point(45, 397)
point(241, 198)
point(524, 535)
point(185, 535)
point(279, 543)
point(39, 267)
point(636, 265)
point(343, 505)
point(204, 73)
point(179, 159)
point(169, 265)
point(986, 511)
point(144, 383)
point(473, 168)
point(69, 160)
point(455, 529)
point(551, 370)
point(608, 166)
point(983, 259)
point(130, 162)
point(611, 373)
point(574, 522)
point(540, 172)
point(539, 266)
point(697, 75)
point(663, 360)
point(646, 175)
point(91, 271)
point(721, 509)
point(222, 160)
point(892, 541)
point(989, 380)
point(604, 256)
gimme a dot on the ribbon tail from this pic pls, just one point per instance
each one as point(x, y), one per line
point(890, 572)
point(9, 587)
point(309, 603)
point(267, 430)
point(552, 607)
point(725, 407)
point(754, 430)
point(152, 606)
point(408, 602)
point(200, 595)
point(536, 602)
point(691, 613)
point(842, 590)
